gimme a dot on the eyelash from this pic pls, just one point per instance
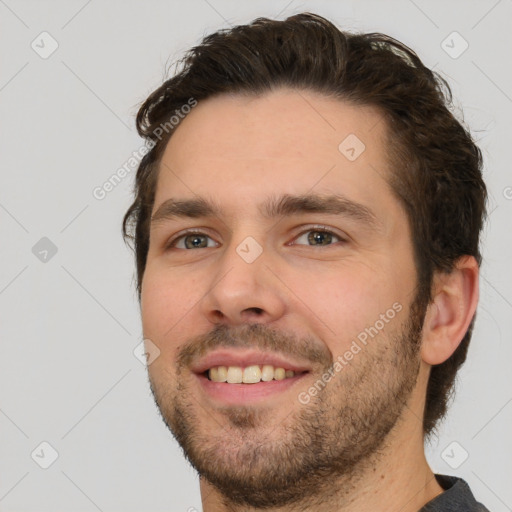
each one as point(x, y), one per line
point(322, 229)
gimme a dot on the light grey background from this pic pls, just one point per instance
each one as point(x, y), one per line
point(69, 325)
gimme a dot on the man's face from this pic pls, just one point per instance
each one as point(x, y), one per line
point(272, 245)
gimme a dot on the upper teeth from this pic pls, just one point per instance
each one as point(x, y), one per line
point(249, 374)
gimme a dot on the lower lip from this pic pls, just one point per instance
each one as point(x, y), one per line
point(243, 394)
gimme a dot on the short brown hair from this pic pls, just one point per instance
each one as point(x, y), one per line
point(437, 166)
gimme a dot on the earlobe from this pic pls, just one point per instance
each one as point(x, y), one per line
point(455, 298)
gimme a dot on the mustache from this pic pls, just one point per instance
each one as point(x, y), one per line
point(255, 336)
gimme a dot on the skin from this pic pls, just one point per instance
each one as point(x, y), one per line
point(239, 151)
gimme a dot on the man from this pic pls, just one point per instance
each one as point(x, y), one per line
point(306, 226)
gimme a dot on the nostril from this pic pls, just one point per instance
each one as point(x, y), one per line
point(219, 315)
point(257, 311)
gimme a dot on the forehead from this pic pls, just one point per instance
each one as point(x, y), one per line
point(285, 141)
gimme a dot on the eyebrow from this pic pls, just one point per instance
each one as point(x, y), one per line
point(280, 206)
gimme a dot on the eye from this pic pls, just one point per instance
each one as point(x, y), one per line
point(192, 241)
point(318, 237)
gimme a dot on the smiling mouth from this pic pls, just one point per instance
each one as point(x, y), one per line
point(252, 374)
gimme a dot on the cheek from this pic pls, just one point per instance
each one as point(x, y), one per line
point(167, 300)
point(342, 302)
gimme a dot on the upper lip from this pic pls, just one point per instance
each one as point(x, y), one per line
point(243, 358)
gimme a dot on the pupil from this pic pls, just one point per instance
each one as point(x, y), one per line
point(319, 238)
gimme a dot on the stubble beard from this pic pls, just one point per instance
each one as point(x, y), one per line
point(335, 438)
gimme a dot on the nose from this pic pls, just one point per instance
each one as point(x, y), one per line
point(243, 291)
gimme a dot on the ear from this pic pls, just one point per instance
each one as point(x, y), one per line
point(455, 298)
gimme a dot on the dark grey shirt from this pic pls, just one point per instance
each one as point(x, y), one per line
point(457, 497)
